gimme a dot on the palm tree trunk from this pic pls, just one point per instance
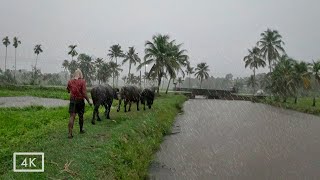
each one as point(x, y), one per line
point(5, 60)
point(254, 80)
point(140, 78)
point(159, 83)
point(145, 70)
point(189, 82)
point(36, 62)
point(15, 63)
point(113, 79)
point(200, 82)
point(296, 99)
point(129, 71)
point(168, 86)
point(117, 75)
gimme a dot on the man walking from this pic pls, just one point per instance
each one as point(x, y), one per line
point(77, 89)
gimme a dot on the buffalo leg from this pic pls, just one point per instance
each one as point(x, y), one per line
point(129, 106)
point(108, 108)
point(125, 105)
point(119, 105)
point(95, 112)
point(137, 105)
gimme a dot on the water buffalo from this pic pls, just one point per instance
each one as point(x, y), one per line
point(103, 95)
point(147, 95)
point(129, 94)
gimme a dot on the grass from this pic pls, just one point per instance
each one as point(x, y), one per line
point(121, 148)
point(37, 91)
point(304, 104)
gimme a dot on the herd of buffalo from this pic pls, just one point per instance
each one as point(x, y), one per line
point(103, 95)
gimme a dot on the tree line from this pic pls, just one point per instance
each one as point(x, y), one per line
point(287, 76)
point(166, 57)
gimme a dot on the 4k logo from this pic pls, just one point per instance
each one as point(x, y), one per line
point(28, 162)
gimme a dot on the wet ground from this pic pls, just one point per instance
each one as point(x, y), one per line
point(216, 139)
point(24, 101)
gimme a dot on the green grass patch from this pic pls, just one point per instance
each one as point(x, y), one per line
point(304, 104)
point(37, 91)
point(121, 148)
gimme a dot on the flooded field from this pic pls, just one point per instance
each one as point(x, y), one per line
point(215, 139)
point(23, 101)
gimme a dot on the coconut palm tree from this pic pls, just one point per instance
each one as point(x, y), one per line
point(163, 54)
point(178, 59)
point(73, 65)
point(156, 53)
point(254, 61)
point(115, 52)
point(124, 79)
point(301, 77)
point(16, 43)
point(115, 70)
point(6, 42)
point(65, 65)
point(315, 70)
point(37, 50)
point(72, 52)
point(202, 70)
point(180, 81)
point(271, 46)
point(189, 71)
point(86, 65)
point(103, 73)
point(132, 57)
point(283, 79)
point(98, 65)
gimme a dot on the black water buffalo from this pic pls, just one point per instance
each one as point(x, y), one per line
point(129, 94)
point(147, 95)
point(103, 95)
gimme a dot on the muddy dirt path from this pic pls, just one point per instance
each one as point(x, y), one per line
point(24, 101)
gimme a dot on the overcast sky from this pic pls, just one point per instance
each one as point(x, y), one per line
point(218, 32)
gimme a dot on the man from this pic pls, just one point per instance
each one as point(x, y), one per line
point(77, 89)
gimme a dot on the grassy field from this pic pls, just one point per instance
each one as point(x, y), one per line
point(121, 148)
point(47, 92)
point(304, 104)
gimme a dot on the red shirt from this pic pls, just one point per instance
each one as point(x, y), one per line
point(77, 89)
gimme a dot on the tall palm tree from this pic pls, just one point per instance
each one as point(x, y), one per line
point(180, 81)
point(98, 64)
point(65, 65)
point(178, 59)
point(156, 53)
point(37, 50)
point(189, 71)
point(315, 70)
point(16, 43)
point(86, 65)
point(115, 69)
point(132, 57)
point(301, 77)
point(271, 46)
point(202, 70)
point(103, 72)
point(254, 61)
point(72, 52)
point(283, 79)
point(115, 52)
point(73, 65)
point(6, 42)
point(161, 53)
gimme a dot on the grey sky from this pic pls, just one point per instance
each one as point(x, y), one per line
point(215, 31)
